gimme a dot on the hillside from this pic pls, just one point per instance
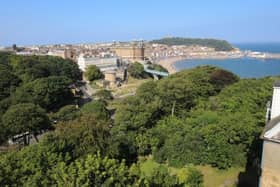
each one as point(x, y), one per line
point(198, 126)
point(219, 45)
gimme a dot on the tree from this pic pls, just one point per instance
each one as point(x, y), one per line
point(14, 47)
point(136, 70)
point(161, 177)
point(190, 176)
point(97, 171)
point(222, 78)
point(105, 95)
point(97, 108)
point(29, 68)
point(66, 113)
point(25, 117)
point(86, 134)
point(8, 83)
point(93, 73)
point(33, 165)
point(50, 93)
point(218, 45)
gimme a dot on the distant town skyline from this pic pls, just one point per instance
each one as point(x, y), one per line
point(67, 21)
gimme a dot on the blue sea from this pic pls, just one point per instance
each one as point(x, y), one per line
point(243, 67)
point(260, 47)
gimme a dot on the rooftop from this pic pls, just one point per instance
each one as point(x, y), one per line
point(272, 130)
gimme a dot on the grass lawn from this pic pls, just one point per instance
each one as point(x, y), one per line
point(215, 177)
point(129, 87)
point(212, 177)
point(115, 103)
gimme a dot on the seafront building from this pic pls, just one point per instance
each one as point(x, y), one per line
point(270, 163)
point(104, 64)
point(63, 53)
point(130, 51)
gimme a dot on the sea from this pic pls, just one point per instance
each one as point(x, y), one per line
point(243, 67)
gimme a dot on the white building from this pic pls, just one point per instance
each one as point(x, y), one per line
point(270, 163)
point(104, 64)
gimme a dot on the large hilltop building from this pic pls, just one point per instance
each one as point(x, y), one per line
point(104, 64)
point(63, 53)
point(130, 51)
point(270, 164)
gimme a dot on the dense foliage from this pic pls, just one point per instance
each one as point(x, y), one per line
point(97, 108)
point(50, 93)
point(78, 153)
point(218, 45)
point(136, 70)
point(66, 113)
point(200, 116)
point(93, 73)
point(29, 85)
point(104, 95)
point(22, 118)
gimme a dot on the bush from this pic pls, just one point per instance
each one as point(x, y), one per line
point(97, 108)
point(66, 113)
point(93, 73)
point(104, 95)
point(136, 70)
point(23, 118)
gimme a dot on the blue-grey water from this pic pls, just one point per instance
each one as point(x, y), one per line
point(243, 67)
point(261, 47)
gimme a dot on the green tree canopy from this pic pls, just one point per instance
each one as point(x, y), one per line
point(97, 171)
point(50, 93)
point(29, 68)
point(97, 108)
point(86, 134)
point(103, 94)
point(93, 73)
point(66, 113)
point(23, 118)
point(218, 45)
point(8, 83)
point(136, 70)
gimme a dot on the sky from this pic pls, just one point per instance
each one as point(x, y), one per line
point(27, 22)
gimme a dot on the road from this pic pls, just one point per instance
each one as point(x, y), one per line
point(87, 90)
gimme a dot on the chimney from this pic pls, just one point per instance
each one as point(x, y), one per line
point(275, 107)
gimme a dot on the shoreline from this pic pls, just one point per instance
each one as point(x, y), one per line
point(169, 62)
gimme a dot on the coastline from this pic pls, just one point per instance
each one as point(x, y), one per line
point(169, 62)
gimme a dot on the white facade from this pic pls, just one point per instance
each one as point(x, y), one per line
point(275, 112)
point(270, 167)
point(104, 64)
point(275, 107)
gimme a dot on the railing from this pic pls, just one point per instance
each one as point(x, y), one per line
point(155, 72)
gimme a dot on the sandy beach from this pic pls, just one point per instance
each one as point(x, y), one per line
point(168, 63)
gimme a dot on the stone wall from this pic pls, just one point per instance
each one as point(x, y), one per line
point(270, 165)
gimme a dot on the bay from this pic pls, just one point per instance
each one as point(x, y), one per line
point(243, 67)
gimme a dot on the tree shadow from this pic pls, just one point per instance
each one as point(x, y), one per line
point(250, 177)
